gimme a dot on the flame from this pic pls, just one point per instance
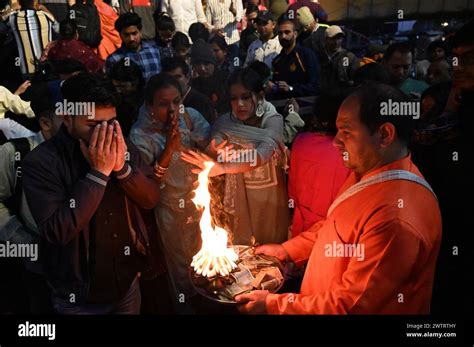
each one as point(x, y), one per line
point(215, 257)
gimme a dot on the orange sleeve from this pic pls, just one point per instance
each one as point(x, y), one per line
point(299, 248)
point(390, 253)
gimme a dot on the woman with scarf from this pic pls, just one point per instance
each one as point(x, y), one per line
point(164, 127)
point(249, 192)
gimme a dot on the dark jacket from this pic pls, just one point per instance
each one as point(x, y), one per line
point(315, 40)
point(64, 195)
point(337, 72)
point(299, 69)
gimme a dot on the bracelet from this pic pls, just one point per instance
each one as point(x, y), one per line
point(158, 170)
point(157, 167)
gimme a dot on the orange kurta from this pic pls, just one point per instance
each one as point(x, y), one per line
point(399, 225)
point(110, 37)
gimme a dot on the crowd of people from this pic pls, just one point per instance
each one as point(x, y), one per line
point(106, 192)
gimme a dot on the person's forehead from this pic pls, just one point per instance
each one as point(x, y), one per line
point(398, 56)
point(238, 88)
point(176, 72)
point(348, 113)
point(130, 29)
point(105, 111)
point(168, 92)
point(263, 22)
point(285, 26)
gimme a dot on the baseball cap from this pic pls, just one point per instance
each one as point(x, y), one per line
point(304, 15)
point(264, 16)
point(333, 31)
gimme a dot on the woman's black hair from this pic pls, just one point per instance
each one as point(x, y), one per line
point(127, 71)
point(180, 40)
point(250, 79)
point(157, 82)
point(247, 77)
point(220, 42)
point(67, 29)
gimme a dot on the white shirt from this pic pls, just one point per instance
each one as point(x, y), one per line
point(184, 13)
point(13, 130)
point(220, 17)
point(263, 51)
point(12, 102)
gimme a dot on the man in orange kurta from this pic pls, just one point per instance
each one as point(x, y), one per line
point(393, 227)
point(110, 37)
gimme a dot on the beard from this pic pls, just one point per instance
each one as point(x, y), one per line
point(285, 43)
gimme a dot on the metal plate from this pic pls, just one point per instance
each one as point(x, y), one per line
point(200, 288)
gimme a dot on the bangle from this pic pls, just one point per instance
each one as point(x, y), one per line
point(158, 170)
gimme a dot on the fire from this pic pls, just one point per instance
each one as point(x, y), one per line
point(215, 257)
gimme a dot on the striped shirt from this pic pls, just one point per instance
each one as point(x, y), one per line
point(219, 16)
point(32, 30)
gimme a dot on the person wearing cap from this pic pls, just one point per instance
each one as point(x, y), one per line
point(312, 33)
point(316, 9)
point(276, 7)
point(296, 68)
point(338, 65)
point(208, 79)
point(267, 47)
